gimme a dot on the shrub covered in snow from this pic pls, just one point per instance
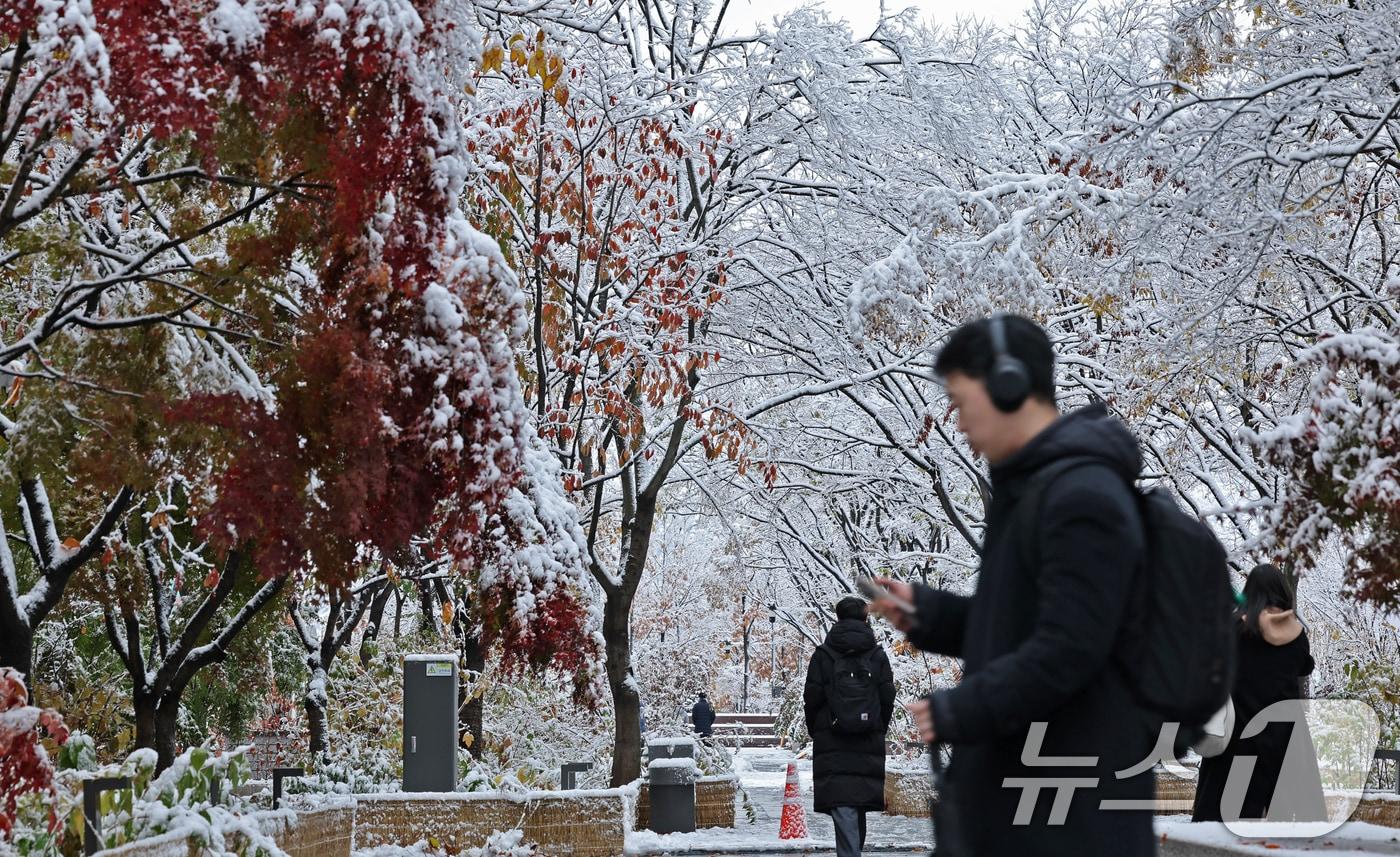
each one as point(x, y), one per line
point(27, 792)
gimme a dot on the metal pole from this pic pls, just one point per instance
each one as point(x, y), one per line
point(92, 809)
point(773, 653)
point(744, 616)
point(1391, 755)
point(568, 774)
point(278, 774)
point(744, 705)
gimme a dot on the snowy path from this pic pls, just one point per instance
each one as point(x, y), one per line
point(763, 773)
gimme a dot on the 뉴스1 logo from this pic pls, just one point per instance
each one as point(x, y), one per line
point(1330, 748)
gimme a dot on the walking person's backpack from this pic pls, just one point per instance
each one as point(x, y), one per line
point(1182, 663)
point(853, 696)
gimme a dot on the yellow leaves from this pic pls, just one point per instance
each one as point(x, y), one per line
point(158, 520)
point(71, 543)
point(530, 55)
point(493, 58)
point(1100, 305)
point(551, 70)
point(447, 612)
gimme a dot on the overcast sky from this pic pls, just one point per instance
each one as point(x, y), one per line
point(742, 14)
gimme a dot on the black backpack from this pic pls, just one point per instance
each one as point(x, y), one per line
point(1181, 665)
point(853, 694)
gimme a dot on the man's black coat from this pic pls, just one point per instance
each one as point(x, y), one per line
point(1055, 599)
point(847, 770)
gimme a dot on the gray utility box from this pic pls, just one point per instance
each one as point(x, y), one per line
point(671, 787)
point(430, 723)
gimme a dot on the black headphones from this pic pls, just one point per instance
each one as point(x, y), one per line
point(1009, 383)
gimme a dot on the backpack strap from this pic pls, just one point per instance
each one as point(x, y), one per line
point(865, 660)
point(1028, 505)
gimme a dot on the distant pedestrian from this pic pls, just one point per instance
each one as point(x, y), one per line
point(848, 701)
point(1273, 658)
point(703, 716)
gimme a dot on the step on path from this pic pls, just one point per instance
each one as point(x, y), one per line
point(733, 729)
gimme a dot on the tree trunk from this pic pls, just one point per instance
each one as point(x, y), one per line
point(17, 651)
point(167, 720)
point(627, 709)
point(471, 715)
point(156, 722)
point(315, 700)
point(144, 705)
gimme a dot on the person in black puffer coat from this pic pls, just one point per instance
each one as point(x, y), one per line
point(848, 768)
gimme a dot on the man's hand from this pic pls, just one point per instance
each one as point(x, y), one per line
point(892, 612)
point(922, 712)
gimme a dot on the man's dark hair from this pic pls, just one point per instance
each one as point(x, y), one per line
point(850, 607)
point(969, 350)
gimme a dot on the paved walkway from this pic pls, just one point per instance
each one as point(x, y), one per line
point(1178, 838)
point(763, 775)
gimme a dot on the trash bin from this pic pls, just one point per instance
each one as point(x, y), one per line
point(672, 789)
point(671, 748)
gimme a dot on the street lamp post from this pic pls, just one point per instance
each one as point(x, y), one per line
point(743, 615)
point(773, 653)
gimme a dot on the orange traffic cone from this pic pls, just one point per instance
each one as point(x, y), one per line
point(794, 822)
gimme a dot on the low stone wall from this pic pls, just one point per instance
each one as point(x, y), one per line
point(908, 792)
point(169, 845)
point(569, 824)
point(714, 803)
point(313, 833)
point(1175, 795)
point(1382, 810)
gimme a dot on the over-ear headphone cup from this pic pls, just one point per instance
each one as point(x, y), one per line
point(1009, 384)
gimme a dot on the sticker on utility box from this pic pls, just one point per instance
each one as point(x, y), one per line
point(436, 668)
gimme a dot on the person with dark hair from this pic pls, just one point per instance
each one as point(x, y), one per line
point(1045, 695)
point(848, 701)
point(703, 716)
point(1273, 659)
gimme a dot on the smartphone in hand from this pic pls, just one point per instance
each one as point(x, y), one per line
point(875, 592)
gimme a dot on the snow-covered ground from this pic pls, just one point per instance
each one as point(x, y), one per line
point(1178, 837)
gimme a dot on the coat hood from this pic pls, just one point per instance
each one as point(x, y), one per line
point(851, 636)
point(1279, 627)
point(1089, 432)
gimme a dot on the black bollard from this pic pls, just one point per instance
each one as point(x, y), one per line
point(568, 774)
point(278, 774)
